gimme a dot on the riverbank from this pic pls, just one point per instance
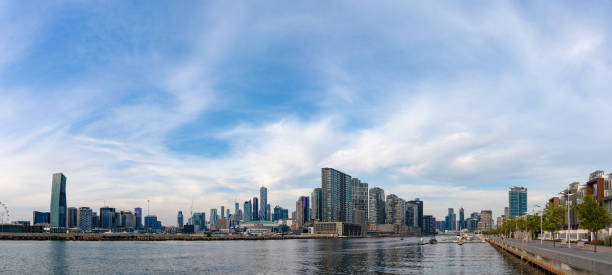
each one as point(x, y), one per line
point(149, 237)
point(556, 259)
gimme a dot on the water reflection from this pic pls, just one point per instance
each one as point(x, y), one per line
point(57, 257)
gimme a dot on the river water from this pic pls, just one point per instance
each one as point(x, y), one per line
point(376, 255)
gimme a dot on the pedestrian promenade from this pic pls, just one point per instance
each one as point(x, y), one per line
point(559, 259)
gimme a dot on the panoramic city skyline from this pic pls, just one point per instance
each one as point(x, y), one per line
point(181, 104)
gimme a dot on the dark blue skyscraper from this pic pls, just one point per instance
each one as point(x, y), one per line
point(40, 217)
point(248, 211)
point(107, 217)
point(255, 213)
point(461, 219)
point(58, 201)
point(138, 214)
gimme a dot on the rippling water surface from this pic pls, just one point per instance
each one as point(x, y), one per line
point(386, 255)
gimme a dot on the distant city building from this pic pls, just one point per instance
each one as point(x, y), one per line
point(507, 212)
point(461, 224)
point(40, 217)
point(151, 223)
point(72, 217)
point(263, 196)
point(58, 207)
point(199, 220)
point(179, 219)
point(302, 211)
point(517, 198)
point(138, 214)
point(360, 195)
point(486, 220)
point(337, 196)
point(248, 212)
point(412, 214)
point(255, 212)
point(85, 219)
point(441, 225)
point(107, 217)
point(316, 199)
point(429, 225)
point(237, 216)
point(376, 211)
point(419, 212)
point(268, 213)
point(396, 210)
point(222, 212)
point(359, 217)
point(451, 220)
point(280, 213)
point(213, 217)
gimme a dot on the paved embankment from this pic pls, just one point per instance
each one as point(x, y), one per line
point(558, 260)
point(147, 237)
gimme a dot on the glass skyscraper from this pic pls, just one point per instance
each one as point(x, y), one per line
point(248, 211)
point(263, 198)
point(517, 198)
point(376, 211)
point(255, 212)
point(58, 201)
point(337, 196)
point(317, 206)
point(360, 196)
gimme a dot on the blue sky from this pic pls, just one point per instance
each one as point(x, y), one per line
point(451, 102)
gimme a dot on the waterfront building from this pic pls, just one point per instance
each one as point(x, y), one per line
point(199, 220)
point(263, 199)
point(316, 199)
point(360, 195)
point(441, 225)
point(396, 210)
point(600, 186)
point(337, 196)
point(58, 207)
point(40, 217)
point(255, 212)
point(451, 220)
point(248, 212)
point(268, 213)
point(429, 225)
point(237, 216)
point(486, 220)
point(72, 217)
point(419, 212)
point(85, 219)
point(359, 217)
point(107, 217)
point(128, 219)
point(461, 224)
point(138, 215)
point(222, 212)
point(151, 224)
point(376, 211)
point(95, 220)
point(412, 214)
point(179, 219)
point(213, 217)
point(280, 213)
point(517, 199)
point(302, 211)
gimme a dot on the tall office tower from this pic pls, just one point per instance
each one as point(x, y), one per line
point(179, 219)
point(360, 195)
point(337, 196)
point(486, 220)
point(213, 217)
point(199, 219)
point(138, 215)
point(107, 217)
point(263, 199)
point(84, 219)
point(461, 219)
point(95, 220)
point(72, 217)
point(268, 213)
point(58, 201)
point(376, 211)
point(237, 212)
point(396, 210)
point(419, 210)
point(451, 220)
point(317, 204)
point(222, 212)
point(248, 212)
point(517, 198)
point(255, 212)
point(429, 225)
point(227, 213)
point(302, 211)
point(40, 218)
point(412, 214)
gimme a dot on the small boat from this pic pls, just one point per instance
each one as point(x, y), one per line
point(460, 242)
point(433, 241)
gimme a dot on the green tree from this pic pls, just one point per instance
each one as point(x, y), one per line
point(533, 225)
point(553, 219)
point(593, 217)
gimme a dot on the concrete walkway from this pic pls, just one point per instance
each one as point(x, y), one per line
point(600, 261)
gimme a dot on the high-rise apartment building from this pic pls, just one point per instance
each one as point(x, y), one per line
point(419, 212)
point(58, 201)
point(486, 220)
point(316, 199)
point(396, 210)
point(517, 198)
point(222, 212)
point(248, 212)
point(302, 211)
point(461, 224)
point(280, 213)
point(360, 195)
point(179, 219)
point(451, 220)
point(72, 217)
point(255, 212)
point(263, 199)
point(85, 219)
point(337, 196)
point(237, 216)
point(376, 211)
point(213, 217)
point(429, 225)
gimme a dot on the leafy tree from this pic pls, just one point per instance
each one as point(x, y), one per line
point(593, 217)
point(533, 225)
point(553, 219)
